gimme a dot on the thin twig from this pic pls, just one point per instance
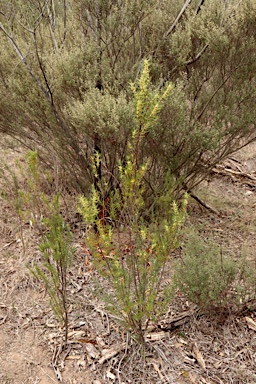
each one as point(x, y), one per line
point(216, 91)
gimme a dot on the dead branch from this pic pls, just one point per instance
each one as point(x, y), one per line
point(52, 21)
point(230, 172)
point(179, 320)
point(208, 207)
point(178, 18)
point(192, 61)
point(199, 6)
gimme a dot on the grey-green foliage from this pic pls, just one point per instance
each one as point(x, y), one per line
point(67, 90)
point(57, 252)
point(107, 120)
point(212, 278)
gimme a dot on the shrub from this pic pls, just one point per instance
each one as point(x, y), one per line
point(67, 93)
point(28, 188)
point(133, 260)
point(132, 252)
point(57, 252)
point(213, 279)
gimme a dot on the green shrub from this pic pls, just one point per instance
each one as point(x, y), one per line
point(131, 253)
point(134, 260)
point(213, 279)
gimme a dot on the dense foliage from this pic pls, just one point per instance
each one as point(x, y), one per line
point(65, 73)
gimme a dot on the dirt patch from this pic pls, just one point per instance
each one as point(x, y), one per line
point(24, 361)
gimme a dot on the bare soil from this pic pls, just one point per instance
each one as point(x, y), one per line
point(203, 349)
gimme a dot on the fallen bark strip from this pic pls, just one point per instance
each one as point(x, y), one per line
point(111, 352)
point(181, 319)
point(198, 356)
